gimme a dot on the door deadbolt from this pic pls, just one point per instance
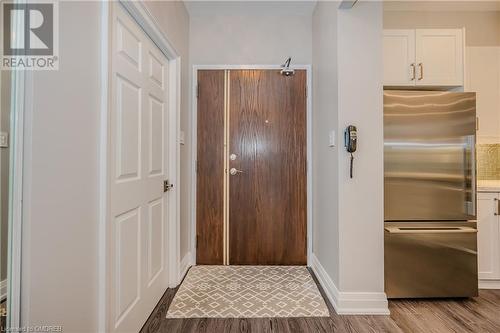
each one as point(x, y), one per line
point(232, 157)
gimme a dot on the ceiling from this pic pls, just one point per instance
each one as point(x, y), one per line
point(306, 7)
point(259, 7)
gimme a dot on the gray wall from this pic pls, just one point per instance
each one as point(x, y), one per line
point(60, 251)
point(361, 199)
point(249, 33)
point(348, 213)
point(325, 158)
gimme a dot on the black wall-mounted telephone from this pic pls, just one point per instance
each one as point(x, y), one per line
point(350, 138)
point(351, 143)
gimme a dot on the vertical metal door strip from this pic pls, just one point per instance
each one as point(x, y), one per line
point(225, 260)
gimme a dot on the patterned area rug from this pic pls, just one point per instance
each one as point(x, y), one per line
point(247, 292)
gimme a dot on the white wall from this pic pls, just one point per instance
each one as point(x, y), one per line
point(361, 202)
point(248, 33)
point(482, 28)
point(60, 253)
point(348, 217)
point(325, 158)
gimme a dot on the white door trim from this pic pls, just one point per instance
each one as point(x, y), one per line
point(141, 14)
point(19, 192)
point(194, 146)
point(21, 111)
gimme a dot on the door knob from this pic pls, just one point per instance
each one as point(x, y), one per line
point(167, 186)
point(234, 171)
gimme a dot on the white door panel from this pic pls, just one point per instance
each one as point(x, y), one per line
point(439, 57)
point(399, 57)
point(138, 166)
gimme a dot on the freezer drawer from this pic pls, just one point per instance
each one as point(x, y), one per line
point(430, 259)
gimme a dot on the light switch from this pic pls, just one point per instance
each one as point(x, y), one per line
point(4, 139)
point(331, 139)
point(181, 138)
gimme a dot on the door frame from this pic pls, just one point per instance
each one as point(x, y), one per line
point(148, 23)
point(194, 146)
point(19, 215)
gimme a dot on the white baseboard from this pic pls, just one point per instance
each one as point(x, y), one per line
point(3, 289)
point(349, 303)
point(489, 284)
point(184, 265)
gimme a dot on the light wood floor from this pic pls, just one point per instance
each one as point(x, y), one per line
point(480, 314)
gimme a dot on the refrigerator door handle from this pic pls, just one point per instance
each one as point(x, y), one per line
point(470, 166)
point(430, 230)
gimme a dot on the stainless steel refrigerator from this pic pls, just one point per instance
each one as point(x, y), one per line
point(430, 194)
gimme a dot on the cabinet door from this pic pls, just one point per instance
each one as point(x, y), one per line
point(439, 57)
point(399, 57)
point(488, 237)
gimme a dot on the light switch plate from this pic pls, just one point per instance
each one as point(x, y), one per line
point(181, 138)
point(331, 139)
point(4, 139)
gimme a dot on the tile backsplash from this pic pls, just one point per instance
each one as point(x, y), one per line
point(488, 161)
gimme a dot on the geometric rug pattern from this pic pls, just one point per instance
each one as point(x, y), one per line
point(247, 292)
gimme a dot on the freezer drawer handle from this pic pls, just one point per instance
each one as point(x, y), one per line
point(430, 230)
point(497, 212)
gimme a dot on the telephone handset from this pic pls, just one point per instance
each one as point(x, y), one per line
point(351, 143)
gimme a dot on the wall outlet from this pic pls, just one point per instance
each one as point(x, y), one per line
point(331, 139)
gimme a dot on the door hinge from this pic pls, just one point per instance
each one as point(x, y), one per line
point(196, 166)
point(197, 90)
point(196, 242)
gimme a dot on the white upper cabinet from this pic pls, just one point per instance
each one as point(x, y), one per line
point(399, 57)
point(440, 57)
point(424, 57)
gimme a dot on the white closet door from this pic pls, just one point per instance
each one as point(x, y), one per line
point(399, 57)
point(138, 150)
point(439, 57)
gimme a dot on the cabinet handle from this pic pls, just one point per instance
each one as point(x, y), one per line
point(413, 72)
point(421, 71)
point(497, 212)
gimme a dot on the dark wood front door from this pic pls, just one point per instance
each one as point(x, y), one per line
point(210, 168)
point(267, 200)
point(265, 126)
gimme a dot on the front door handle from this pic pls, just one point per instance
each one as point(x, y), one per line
point(234, 171)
